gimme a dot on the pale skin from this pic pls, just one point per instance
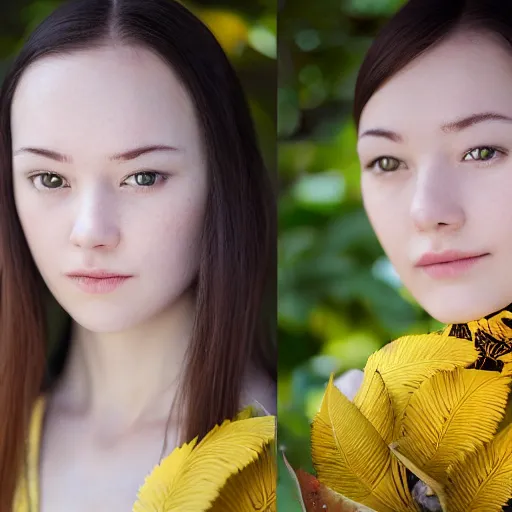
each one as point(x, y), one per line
point(105, 424)
point(451, 187)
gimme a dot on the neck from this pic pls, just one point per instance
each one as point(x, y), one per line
point(130, 376)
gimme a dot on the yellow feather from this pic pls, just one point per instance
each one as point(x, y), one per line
point(507, 366)
point(253, 488)
point(435, 486)
point(449, 416)
point(405, 363)
point(190, 479)
point(482, 482)
point(507, 419)
point(351, 457)
point(375, 404)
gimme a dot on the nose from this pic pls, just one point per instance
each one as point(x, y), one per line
point(437, 203)
point(95, 224)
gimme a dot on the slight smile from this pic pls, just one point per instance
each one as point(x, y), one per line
point(448, 264)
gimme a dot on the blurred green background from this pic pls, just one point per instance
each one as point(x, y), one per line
point(245, 28)
point(339, 297)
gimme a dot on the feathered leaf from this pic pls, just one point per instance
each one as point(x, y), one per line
point(437, 487)
point(450, 415)
point(253, 488)
point(351, 457)
point(507, 418)
point(375, 404)
point(191, 477)
point(507, 364)
point(405, 363)
point(482, 482)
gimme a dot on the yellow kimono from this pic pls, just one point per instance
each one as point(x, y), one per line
point(243, 479)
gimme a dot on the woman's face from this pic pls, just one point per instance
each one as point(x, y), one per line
point(139, 214)
point(435, 146)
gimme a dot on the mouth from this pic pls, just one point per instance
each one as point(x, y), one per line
point(98, 281)
point(449, 263)
point(96, 274)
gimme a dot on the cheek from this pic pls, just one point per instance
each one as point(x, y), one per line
point(171, 237)
point(43, 228)
point(387, 212)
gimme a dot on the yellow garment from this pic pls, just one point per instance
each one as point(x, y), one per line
point(242, 479)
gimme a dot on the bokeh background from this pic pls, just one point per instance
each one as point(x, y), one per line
point(339, 298)
point(245, 28)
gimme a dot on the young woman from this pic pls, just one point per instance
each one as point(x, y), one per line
point(433, 112)
point(136, 241)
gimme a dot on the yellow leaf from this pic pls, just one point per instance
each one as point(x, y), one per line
point(405, 363)
point(351, 457)
point(450, 415)
point(189, 479)
point(507, 419)
point(434, 485)
point(253, 488)
point(482, 482)
point(507, 364)
point(375, 404)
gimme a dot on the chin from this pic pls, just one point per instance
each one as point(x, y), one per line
point(103, 324)
point(109, 317)
point(452, 311)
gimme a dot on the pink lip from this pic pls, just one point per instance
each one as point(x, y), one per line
point(449, 263)
point(97, 281)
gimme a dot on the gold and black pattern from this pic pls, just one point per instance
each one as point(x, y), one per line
point(492, 336)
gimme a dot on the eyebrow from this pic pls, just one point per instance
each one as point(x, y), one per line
point(131, 154)
point(453, 126)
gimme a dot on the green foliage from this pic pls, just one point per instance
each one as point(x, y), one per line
point(339, 298)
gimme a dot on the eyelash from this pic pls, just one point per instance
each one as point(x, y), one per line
point(484, 163)
point(142, 188)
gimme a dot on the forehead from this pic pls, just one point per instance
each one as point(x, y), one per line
point(465, 74)
point(96, 99)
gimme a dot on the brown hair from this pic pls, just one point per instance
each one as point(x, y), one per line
point(417, 27)
point(238, 239)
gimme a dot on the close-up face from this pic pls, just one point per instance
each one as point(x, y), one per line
point(89, 199)
point(435, 145)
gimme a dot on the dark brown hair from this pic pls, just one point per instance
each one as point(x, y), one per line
point(418, 27)
point(238, 239)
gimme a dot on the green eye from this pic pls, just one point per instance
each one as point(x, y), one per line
point(482, 154)
point(387, 164)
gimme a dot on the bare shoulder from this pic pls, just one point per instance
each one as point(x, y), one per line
point(260, 389)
